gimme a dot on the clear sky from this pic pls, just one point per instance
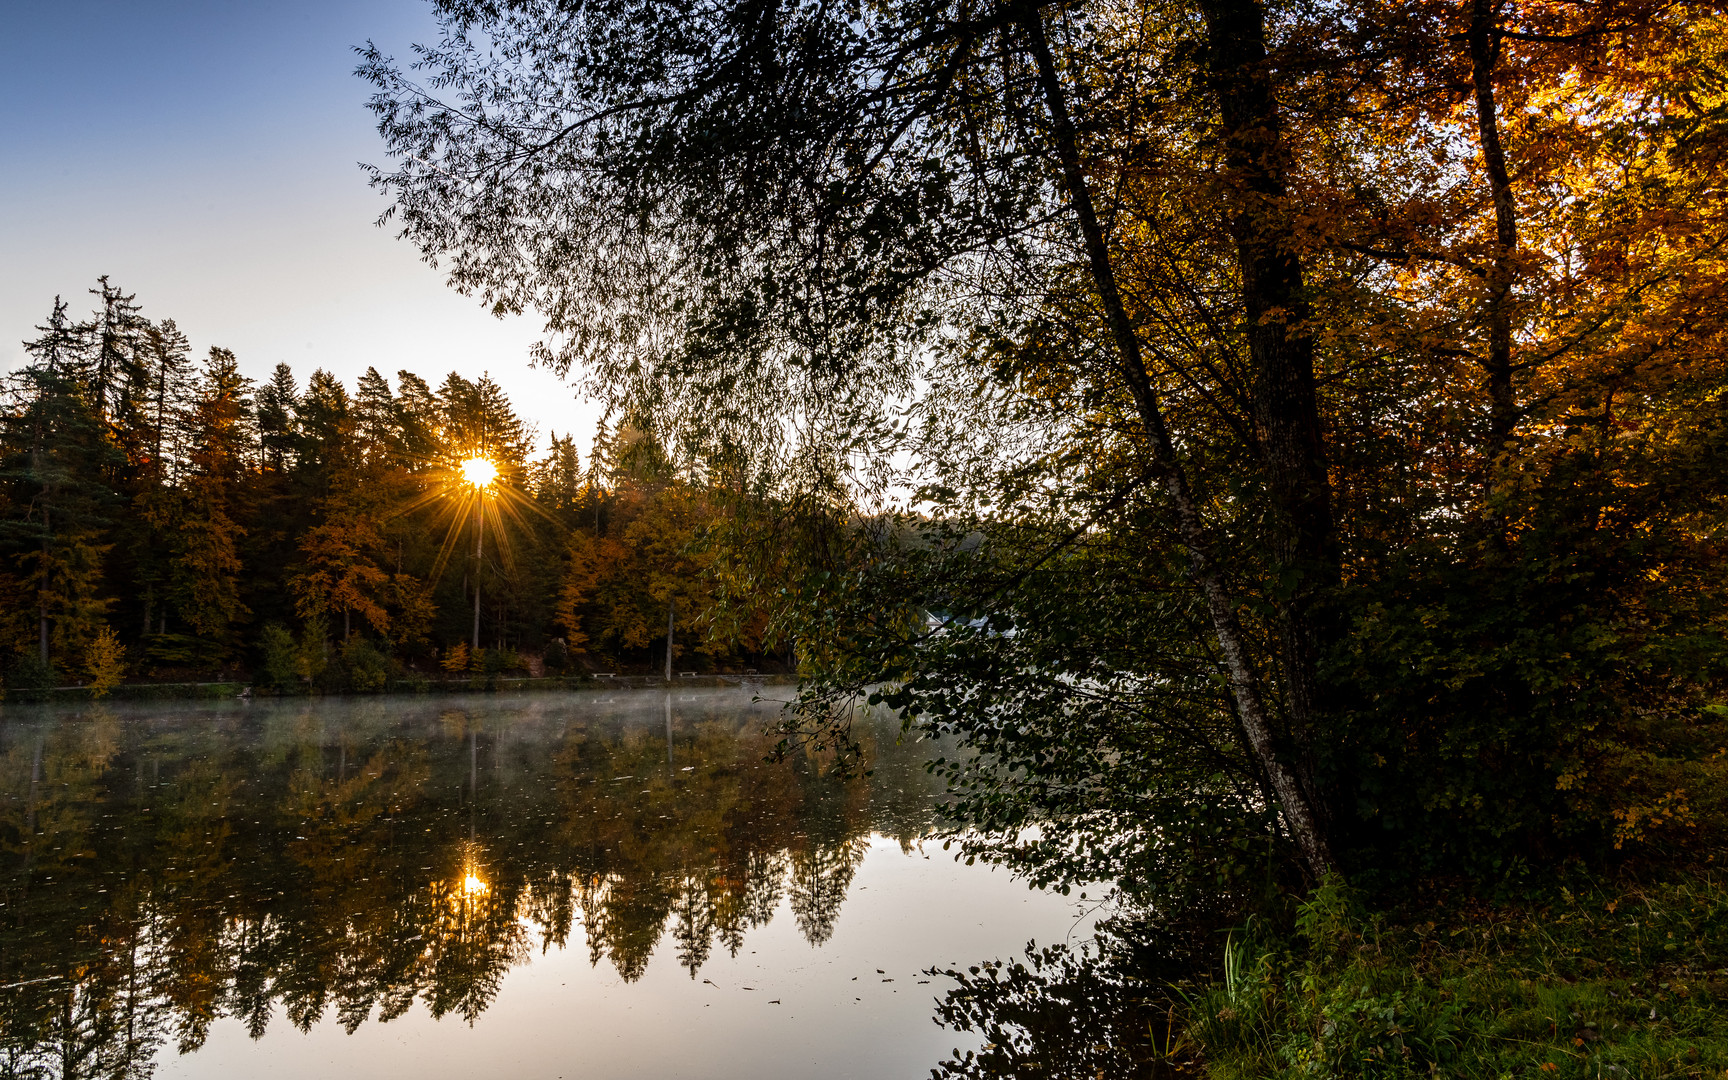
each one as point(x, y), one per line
point(205, 156)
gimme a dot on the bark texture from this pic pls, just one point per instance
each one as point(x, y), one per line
point(1278, 329)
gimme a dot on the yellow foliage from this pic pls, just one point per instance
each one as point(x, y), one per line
point(104, 662)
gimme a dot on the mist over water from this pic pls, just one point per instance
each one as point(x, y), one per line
point(589, 884)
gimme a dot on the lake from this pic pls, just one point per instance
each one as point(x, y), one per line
point(595, 884)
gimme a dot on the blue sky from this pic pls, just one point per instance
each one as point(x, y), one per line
point(204, 156)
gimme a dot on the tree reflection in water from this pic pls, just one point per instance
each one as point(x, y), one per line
point(169, 868)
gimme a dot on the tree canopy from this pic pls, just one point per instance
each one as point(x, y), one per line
point(1312, 416)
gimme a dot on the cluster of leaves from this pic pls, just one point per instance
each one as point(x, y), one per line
point(177, 518)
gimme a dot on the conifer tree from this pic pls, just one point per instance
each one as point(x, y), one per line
point(326, 422)
point(377, 423)
point(115, 335)
point(161, 445)
point(278, 425)
point(419, 418)
point(557, 480)
point(58, 458)
point(207, 564)
point(340, 574)
point(274, 516)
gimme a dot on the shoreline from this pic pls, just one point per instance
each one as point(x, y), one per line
point(232, 689)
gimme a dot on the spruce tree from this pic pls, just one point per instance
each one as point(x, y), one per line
point(272, 515)
point(419, 417)
point(207, 564)
point(159, 443)
point(376, 422)
point(60, 508)
point(278, 427)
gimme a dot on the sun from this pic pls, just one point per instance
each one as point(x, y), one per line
point(479, 472)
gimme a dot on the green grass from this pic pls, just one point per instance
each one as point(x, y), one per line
point(1626, 982)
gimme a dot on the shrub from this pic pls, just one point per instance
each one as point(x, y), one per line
point(29, 672)
point(1601, 983)
point(455, 659)
point(104, 662)
point(557, 658)
point(280, 667)
point(366, 669)
point(313, 655)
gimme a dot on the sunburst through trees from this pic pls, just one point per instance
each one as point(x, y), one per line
point(325, 536)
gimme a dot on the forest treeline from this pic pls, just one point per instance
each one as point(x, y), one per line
point(165, 516)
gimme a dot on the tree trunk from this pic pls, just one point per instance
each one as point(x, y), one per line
point(1277, 323)
point(1484, 54)
point(1286, 790)
point(479, 525)
point(42, 593)
point(671, 614)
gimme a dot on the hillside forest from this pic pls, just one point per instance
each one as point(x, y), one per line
point(163, 516)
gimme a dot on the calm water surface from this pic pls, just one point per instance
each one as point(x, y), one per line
point(585, 885)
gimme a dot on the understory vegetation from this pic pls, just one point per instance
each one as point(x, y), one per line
point(1591, 980)
point(1626, 981)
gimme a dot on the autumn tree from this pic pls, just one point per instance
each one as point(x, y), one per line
point(339, 573)
point(1239, 355)
point(205, 583)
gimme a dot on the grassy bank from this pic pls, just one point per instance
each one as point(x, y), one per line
point(186, 691)
point(1603, 982)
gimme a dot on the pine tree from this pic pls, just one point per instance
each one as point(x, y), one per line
point(57, 459)
point(377, 423)
point(118, 375)
point(160, 445)
point(557, 483)
point(207, 564)
point(278, 425)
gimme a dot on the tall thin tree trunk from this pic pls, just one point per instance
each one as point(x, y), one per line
point(1484, 54)
point(42, 593)
point(671, 614)
point(479, 524)
point(1293, 800)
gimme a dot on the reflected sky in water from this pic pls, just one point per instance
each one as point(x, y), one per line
point(559, 886)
